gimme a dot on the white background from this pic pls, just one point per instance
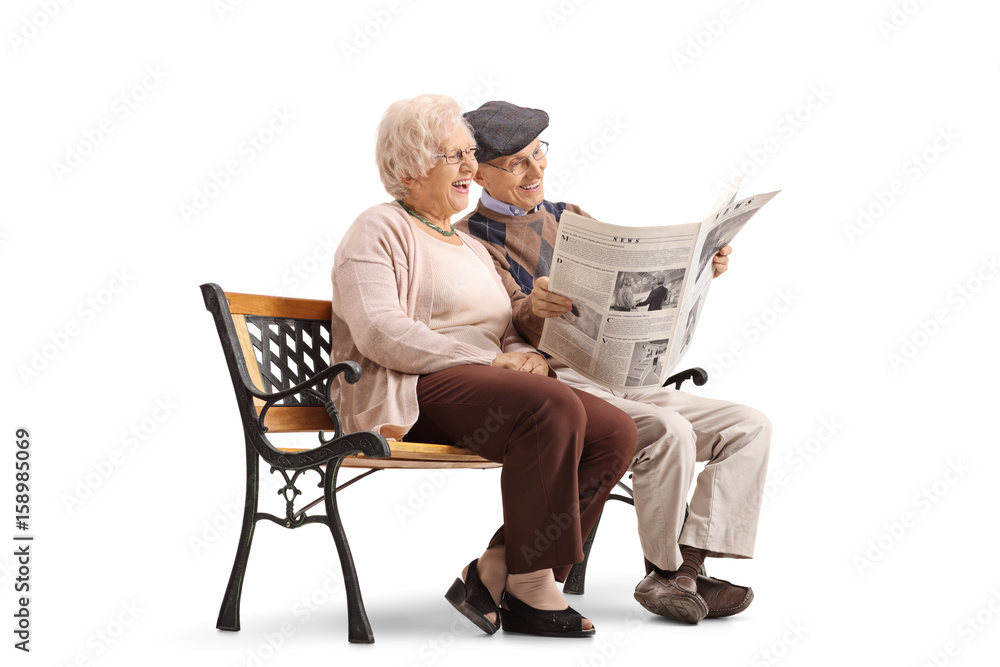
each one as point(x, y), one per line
point(829, 102)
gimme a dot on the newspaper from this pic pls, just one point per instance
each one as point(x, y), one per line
point(637, 292)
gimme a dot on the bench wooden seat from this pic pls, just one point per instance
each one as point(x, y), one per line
point(278, 353)
point(418, 455)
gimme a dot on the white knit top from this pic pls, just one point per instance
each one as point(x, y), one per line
point(467, 304)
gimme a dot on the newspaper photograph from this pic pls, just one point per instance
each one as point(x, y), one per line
point(637, 292)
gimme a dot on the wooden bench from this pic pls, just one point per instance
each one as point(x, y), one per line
point(278, 353)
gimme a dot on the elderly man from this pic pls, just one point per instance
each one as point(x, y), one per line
point(675, 429)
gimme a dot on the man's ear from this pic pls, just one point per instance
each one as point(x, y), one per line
point(479, 178)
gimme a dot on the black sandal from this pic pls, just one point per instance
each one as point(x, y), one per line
point(516, 616)
point(473, 600)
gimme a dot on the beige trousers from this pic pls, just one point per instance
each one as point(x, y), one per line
point(676, 429)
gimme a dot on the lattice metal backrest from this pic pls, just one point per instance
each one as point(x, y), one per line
point(288, 351)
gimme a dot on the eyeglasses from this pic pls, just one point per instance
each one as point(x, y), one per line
point(521, 165)
point(455, 156)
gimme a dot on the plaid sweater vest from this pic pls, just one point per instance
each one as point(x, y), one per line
point(524, 242)
point(521, 247)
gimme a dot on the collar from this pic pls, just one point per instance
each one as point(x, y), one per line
point(502, 208)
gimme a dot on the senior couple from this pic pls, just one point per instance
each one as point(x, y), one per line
point(443, 320)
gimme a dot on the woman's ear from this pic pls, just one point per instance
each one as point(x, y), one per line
point(411, 183)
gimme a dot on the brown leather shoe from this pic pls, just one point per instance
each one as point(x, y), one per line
point(675, 598)
point(722, 597)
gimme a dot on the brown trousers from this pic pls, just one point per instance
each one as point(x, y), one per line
point(563, 450)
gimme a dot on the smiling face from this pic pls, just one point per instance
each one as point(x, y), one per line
point(444, 191)
point(521, 190)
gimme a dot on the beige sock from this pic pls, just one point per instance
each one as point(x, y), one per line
point(539, 590)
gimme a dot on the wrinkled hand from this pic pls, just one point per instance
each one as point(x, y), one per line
point(528, 362)
point(534, 363)
point(721, 260)
point(545, 303)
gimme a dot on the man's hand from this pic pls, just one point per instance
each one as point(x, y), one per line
point(527, 362)
point(721, 260)
point(547, 304)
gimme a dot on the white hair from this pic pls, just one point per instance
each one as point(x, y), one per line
point(412, 131)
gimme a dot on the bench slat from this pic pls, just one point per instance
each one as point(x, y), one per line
point(421, 451)
point(362, 462)
point(240, 324)
point(278, 306)
point(309, 419)
point(296, 419)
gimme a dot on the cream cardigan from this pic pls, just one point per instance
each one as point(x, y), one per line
point(383, 288)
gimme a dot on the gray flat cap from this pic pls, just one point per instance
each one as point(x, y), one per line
point(502, 128)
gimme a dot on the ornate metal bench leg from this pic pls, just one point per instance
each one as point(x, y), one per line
point(229, 613)
point(359, 630)
point(577, 579)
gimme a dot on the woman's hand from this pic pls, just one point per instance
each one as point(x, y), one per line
point(528, 362)
point(534, 363)
point(545, 303)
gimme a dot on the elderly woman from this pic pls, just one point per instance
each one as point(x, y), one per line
point(423, 311)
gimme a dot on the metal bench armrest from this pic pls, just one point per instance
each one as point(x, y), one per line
point(696, 375)
point(324, 378)
point(351, 371)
